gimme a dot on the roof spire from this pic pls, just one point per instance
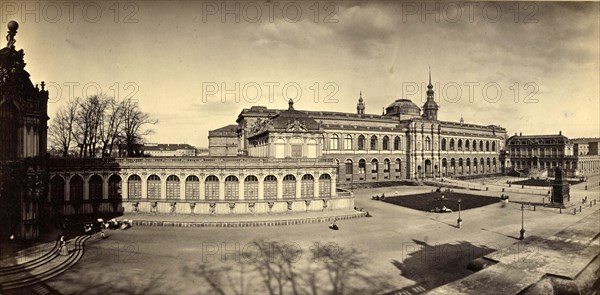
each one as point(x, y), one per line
point(430, 86)
point(429, 75)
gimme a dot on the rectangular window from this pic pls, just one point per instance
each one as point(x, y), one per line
point(296, 151)
point(348, 168)
point(251, 190)
point(192, 190)
point(153, 189)
point(134, 189)
point(289, 189)
point(211, 190)
point(270, 190)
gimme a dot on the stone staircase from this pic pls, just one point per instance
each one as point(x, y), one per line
point(42, 268)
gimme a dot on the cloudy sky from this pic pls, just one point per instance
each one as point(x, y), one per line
point(529, 67)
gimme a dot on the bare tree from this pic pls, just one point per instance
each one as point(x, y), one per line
point(61, 127)
point(133, 129)
point(111, 125)
point(100, 122)
point(87, 124)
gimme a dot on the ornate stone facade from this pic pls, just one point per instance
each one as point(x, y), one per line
point(23, 127)
point(400, 144)
point(539, 155)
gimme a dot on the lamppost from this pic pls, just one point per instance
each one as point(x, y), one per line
point(522, 218)
point(459, 220)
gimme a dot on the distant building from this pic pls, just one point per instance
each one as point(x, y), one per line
point(169, 150)
point(539, 155)
point(223, 141)
point(586, 146)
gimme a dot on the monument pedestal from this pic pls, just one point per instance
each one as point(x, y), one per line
point(560, 191)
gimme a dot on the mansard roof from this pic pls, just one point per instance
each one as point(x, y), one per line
point(539, 139)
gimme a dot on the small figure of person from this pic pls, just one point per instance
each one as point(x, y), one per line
point(102, 235)
point(333, 226)
point(62, 246)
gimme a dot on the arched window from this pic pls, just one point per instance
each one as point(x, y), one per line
point(325, 186)
point(289, 187)
point(386, 143)
point(467, 145)
point(57, 193)
point(348, 166)
point(95, 187)
point(460, 144)
point(348, 142)
point(443, 144)
point(76, 188)
point(474, 145)
point(232, 188)
point(427, 143)
point(211, 188)
point(362, 164)
point(487, 146)
point(334, 142)
point(251, 187)
point(114, 187)
point(153, 187)
point(397, 143)
point(307, 188)
point(374, 165)
point(173, 187)
point(192, 187)
point(361, 142)
point(386, 165)
point(452, 144)
point(398, 165)
point(481, 146)
point(134, 187)
point(493, 146)
point(270, 187)
point(374, 142)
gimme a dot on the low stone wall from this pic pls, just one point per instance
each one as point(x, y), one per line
point(209, 207)
point(249, 223)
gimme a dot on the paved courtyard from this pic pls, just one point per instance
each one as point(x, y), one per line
point(397, 249)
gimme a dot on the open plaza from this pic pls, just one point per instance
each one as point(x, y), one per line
point(418, 252)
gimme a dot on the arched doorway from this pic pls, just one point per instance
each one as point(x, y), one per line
point(428, 171)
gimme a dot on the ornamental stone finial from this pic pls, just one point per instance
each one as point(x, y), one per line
point(13, 26)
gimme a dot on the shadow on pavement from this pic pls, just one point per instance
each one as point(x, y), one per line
point(431, 266)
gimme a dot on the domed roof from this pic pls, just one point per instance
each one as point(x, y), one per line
point(402, 106)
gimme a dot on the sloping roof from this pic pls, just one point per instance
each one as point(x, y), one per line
point(225, 131)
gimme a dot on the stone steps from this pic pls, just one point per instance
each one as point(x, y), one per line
point(42, 269)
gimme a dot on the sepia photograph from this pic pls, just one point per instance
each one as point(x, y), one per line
point(300, 147)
